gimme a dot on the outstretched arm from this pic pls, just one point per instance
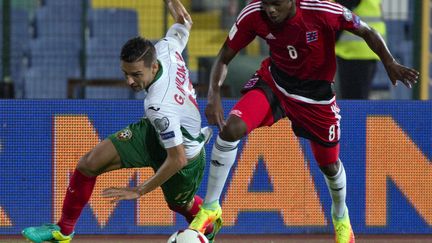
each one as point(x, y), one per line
point(376, 43)
point(214, 111)
point(175, 161)
point(179, 12)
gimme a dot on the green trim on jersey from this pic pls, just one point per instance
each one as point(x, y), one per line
point(187, 135)
point(138, 145)
point(157, 76)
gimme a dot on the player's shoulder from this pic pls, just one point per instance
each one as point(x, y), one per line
point(168, 52)
point(162, 46)
point(321, 7)
point(250, 12)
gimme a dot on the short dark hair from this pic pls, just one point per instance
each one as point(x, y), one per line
point(137, 49)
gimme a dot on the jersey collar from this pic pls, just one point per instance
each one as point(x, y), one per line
point(157, 76)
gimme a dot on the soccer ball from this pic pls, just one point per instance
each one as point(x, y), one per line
point(187, 236)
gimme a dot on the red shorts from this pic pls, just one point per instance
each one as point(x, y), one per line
point(263, 104)
point(317, 122)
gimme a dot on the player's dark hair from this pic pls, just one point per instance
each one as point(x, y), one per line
point(137, 49)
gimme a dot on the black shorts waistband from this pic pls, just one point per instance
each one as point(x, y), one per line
point(313, 89)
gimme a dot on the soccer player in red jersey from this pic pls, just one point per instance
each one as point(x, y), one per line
point(295, 81)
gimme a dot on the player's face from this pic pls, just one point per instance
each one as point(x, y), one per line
point(279, 10)
point(137, 75)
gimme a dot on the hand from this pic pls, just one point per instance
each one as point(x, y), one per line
point(215, 114)
point(179, 12)
point(126, 193)
point(407, 76)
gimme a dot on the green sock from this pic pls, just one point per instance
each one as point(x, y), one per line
point(212, 205)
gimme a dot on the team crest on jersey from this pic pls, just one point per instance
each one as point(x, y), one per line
point(161, 124)
point(311, 36)
point(249, 84)
point(124, 134)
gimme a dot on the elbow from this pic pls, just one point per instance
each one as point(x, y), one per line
point(180, 163)
point(176, 157)
point(374, 35)
point(189, 20)
point(186, 20)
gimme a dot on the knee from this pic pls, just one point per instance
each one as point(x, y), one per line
point(234, 129)
point(330, 169)
point(174, 208)
point(87, 166)
point(327, 158)
point(180, 208)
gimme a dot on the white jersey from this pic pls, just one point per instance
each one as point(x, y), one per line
point(170, 103)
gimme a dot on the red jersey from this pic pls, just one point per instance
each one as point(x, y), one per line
point(303, 46)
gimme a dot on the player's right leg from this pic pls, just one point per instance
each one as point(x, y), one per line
point(243, 118)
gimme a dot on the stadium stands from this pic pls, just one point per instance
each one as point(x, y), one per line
point(1, 43)
point(109, 30)
point(60, 22)
point(53, 34)
point(20, 37)
point(55, 48)
point(46, 82)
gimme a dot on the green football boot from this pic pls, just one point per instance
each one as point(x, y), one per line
point(206, 217)
point(46, 232)
point(343, 229)
point(217, 225)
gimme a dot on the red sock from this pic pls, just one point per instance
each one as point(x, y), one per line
point(190, 214)
point(77, 195)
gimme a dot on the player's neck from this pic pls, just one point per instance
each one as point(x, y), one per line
point(293, 12)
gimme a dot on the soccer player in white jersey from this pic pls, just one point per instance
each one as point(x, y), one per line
point(169, 139)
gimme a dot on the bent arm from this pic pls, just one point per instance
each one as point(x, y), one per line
point(179, 13)
point(375, 42)
point(219, 70)
point(175, 161)
point(395, 71)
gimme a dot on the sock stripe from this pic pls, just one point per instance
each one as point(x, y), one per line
point(337, 189)
point(224, 148)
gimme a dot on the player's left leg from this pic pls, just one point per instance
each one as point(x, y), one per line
point(318, 121)
point(335, 177)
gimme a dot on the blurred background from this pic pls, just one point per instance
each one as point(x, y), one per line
point(69, 49)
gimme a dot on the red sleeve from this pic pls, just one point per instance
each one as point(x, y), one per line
point(243, 30)
point(345, 21)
